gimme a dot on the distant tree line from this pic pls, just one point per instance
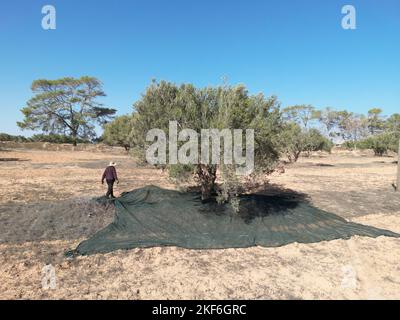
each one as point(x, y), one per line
point(67, 110)
point(51, 138)
point(356, 131)
point(304, 129)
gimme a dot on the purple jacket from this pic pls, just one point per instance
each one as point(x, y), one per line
point(110, 174)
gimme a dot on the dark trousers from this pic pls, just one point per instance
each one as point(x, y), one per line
point(110, 191)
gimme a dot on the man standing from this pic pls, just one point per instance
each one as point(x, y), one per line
point(110, 174)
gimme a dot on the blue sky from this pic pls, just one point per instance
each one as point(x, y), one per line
point(294, 49)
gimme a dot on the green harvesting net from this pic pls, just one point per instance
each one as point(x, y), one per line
point(152, 216)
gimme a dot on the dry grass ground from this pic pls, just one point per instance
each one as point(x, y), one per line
point(45, 210)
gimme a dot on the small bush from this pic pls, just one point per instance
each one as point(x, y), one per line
point(315, 141)
point(294, 141)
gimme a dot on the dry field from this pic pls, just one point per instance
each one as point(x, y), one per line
point(45, 209)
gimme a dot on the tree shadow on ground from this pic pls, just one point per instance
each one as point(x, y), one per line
point(270, 199)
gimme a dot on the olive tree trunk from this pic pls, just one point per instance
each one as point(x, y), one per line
point(206, 176)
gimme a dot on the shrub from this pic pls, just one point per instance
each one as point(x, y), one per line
point(117, 132)
point(315, 141)
point(380, 144)
point(294, 141)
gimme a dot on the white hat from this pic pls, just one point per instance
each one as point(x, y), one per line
point(112, 164)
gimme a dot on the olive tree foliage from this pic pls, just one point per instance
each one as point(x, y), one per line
point(298, 136)
point(117, 132)
point(222, 107)
point(66, 106)
point(292, 141)
point(296, 140)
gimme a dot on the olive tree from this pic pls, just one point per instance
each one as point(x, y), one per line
point(295, 140)
point(117, 132)
point(222, 107)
